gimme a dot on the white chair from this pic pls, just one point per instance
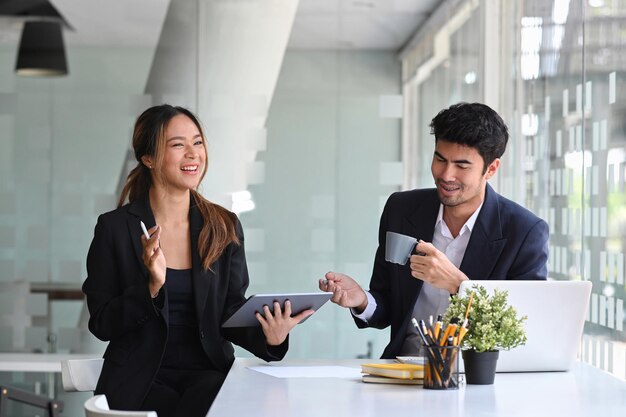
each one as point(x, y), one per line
point(97, 406)
point(80, 374)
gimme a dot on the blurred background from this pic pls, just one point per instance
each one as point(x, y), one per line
point(315, 111)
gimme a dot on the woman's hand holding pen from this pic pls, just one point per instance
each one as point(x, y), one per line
point(154, 259)
point(277, 325)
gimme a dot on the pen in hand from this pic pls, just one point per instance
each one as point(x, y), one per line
point(145, 231)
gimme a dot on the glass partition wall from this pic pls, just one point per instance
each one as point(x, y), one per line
point(332, 142)
point(307, 166)
point(64, 144)
point(560, 87)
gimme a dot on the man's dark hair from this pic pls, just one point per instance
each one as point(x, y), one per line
point(475, 125)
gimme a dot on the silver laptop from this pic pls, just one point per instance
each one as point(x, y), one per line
point(556, 313)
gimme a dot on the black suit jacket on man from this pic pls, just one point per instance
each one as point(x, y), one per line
point(123, 312)
point(507, 242)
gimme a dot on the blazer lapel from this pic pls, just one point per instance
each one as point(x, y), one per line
point(201, 279)
point(143, 212)
point(487, 242)
point(141, 209)
point(420, 224)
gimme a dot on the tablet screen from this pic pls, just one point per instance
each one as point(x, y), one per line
point(245, 316)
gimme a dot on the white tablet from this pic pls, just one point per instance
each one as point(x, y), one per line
point(245, 316)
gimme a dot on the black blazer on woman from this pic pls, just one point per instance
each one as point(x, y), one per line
point(123, 312)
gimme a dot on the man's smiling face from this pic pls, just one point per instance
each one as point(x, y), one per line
point(459, 174)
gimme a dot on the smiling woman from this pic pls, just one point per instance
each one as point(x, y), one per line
point(160, 299)
point(183, 161)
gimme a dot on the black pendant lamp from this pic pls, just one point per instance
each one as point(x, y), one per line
point(41, 52)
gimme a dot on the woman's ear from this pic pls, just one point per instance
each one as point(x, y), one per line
point(147, 161)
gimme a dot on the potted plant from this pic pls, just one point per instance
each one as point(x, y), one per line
point(493, 325)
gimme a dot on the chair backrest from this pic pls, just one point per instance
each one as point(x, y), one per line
point(80, 374)
point(97, 406)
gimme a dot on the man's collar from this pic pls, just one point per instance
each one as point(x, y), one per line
point(469, 224)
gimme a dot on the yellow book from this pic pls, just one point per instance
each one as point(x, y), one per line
point(394, 370)
point(386, 380)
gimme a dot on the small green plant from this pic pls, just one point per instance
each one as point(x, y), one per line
point(493, 324)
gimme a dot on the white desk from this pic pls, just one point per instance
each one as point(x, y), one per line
point(584, 391)
point(37, 362)
point(49, 363)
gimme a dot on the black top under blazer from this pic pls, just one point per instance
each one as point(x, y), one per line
point(123, 313)
point(507, 242)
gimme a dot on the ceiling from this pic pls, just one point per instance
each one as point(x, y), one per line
point(93, 22)
point(319, 24)
point(358, 24)
point(113, 22)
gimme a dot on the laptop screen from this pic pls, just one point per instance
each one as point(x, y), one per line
point(556, 313)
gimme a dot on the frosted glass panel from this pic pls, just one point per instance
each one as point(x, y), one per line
point(320, 203)
point(561, 90)
point(390, 107)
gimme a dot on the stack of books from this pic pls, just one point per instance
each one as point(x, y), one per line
point(393, 373)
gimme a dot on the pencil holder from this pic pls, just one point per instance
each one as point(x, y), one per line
point(441, 370)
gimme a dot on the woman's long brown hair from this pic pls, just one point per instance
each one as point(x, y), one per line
point(219, 228)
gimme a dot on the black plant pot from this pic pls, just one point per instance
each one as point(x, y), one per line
point(480, 367)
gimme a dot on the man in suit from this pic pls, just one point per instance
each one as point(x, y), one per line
point(465, 230)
